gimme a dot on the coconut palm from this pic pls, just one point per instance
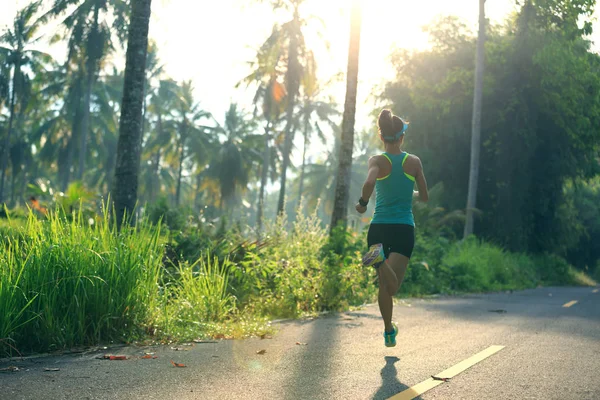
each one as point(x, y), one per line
point(342, 191)
point(158, 142)
point(312, 111)
point(109, 94)
point(19, 56)
point(269, 96)
point(239, 156)
point(288, 46)
point(130, 128)
point(189, 132)
point(92, 26)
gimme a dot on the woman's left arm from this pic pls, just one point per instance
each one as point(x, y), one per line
point(369, 185)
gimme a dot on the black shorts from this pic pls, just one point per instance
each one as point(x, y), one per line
point(396, 238)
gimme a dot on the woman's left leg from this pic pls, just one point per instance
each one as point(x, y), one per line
point(390, 274)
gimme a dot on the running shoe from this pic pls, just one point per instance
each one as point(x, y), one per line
point(374, 257)
point(390, 337)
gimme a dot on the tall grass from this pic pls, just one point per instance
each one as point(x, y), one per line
point(196, 300)
point(66, 282)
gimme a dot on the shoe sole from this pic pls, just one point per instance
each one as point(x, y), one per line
point(371, 256)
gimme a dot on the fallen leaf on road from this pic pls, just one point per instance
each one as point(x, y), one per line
point(112, 358)
point(435, 378)
point(178, 365)
point(266, 336)
point(498, 311)
point(51, 369)
point(261, 352)
point(301, 344)
point(149, 357)
point(10, 369)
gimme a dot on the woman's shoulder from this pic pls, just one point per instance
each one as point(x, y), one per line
point(413, 163)
point(413, 158)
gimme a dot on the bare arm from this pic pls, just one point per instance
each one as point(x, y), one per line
point(369, 184)
point(421, 183)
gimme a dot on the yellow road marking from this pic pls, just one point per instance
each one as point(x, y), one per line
point(451, 372)
point(417, 390)
point(595, 290)
point(571, 303)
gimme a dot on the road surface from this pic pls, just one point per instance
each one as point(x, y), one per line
point(547, 346)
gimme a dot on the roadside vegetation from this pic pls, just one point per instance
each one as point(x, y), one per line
point(68, 280)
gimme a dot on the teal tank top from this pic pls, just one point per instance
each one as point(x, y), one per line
point(394, 194)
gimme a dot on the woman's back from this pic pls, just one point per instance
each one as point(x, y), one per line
point(394, 192)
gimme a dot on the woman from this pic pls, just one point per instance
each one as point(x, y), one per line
point(391, 236)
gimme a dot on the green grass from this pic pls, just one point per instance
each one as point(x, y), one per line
point(66, 283)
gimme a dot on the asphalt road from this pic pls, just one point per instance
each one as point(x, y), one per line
point(551, 352)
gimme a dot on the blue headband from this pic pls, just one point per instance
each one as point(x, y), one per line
point(397, 135)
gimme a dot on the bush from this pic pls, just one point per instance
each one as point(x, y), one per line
point(478, 266)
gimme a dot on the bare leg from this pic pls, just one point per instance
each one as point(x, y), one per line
point(391, 274)
point(386, 305)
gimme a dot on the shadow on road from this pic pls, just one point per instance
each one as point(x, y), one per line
point(390, 385)
point(312, 374)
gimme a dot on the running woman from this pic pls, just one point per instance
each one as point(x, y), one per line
point(391, 236)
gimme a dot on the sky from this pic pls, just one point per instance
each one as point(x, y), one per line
point(211, 42)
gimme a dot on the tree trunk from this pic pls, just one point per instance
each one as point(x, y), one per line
point(130, 129)
point(197, 205)
point(264, 178)
point(303, 168)
point(180, 172)
point(293, 85)
point(342, 188)
point(85, 124)
point(13, 185)
point(476, 123)
point(24, 183)
point(11, 118)
point(90, 79)
point(75, 132)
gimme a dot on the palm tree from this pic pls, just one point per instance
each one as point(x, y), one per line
point(288, 41)
point(108, 94)
point(238, 156)
point(188, 116)
point(342, 190)
point(270, 93)
point(476, 123)
point(311, 112)
point(321, 177)
point(18, 55)
point(292, 78)
point(91, 26)
point(158, 142)
point(130, 129)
